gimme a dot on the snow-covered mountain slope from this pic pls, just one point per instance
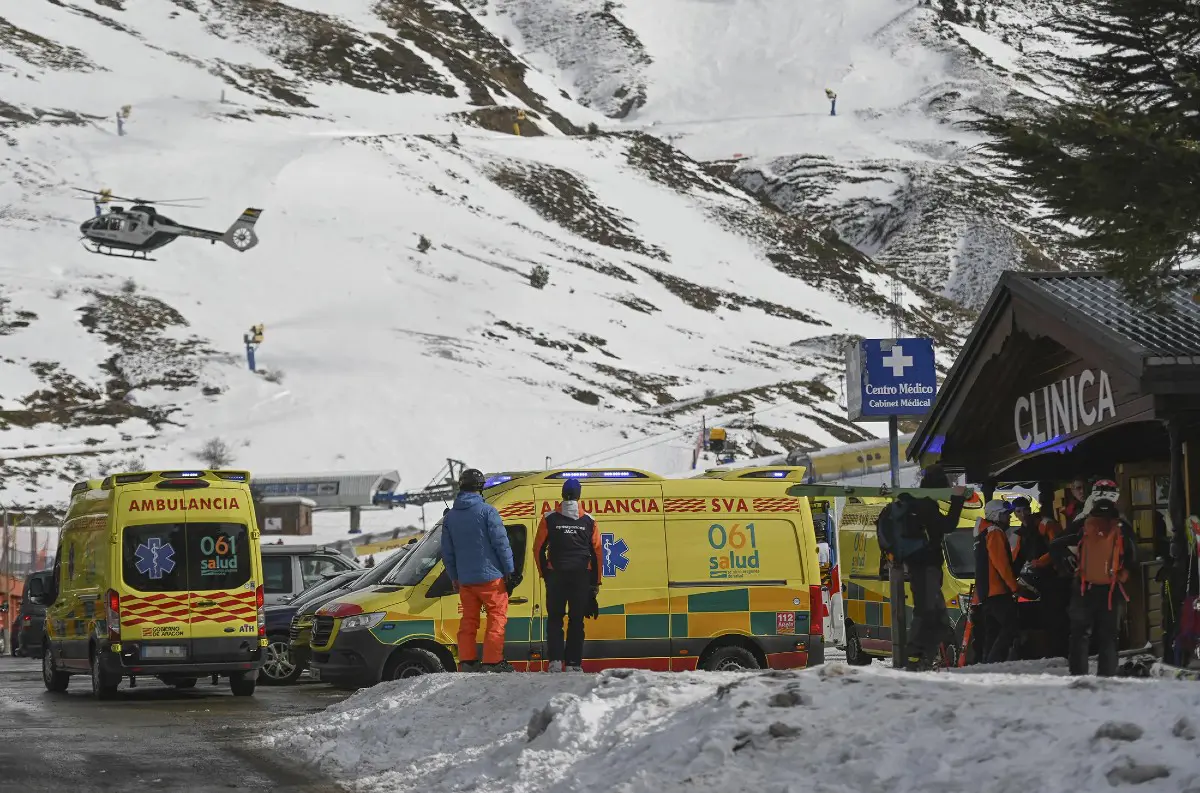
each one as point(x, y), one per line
point(836, 729)
point(742, 82)
point(362, 128)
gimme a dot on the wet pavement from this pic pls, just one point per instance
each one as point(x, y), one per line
point(152, 737)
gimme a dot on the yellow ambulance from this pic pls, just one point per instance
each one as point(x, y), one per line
point(714, 572)
point(867, 604)
point(158, 574)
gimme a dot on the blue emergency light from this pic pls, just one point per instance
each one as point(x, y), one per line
point(765, 475)
point(497, 480)
point(597, 475)
point(181, 474)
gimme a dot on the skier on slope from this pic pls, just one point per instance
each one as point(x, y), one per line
point(832, 97)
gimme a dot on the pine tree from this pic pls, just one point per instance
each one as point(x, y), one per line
point(1120, 161)
point(981, 18)
point(950, 10)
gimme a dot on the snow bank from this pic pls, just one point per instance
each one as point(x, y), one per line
point(829, 730)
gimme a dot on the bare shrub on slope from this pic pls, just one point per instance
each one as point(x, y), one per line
point(562, 197)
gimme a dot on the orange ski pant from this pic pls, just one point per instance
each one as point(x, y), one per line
point(492, 597)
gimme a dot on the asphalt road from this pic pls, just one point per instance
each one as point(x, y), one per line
point(149, 738)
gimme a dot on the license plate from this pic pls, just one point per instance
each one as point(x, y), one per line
point(314, 673)
point(168, 651)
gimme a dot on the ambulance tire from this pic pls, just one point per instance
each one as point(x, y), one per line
point(55, 680)
point(730, 658)
point(104, 686)
point(412, 662)
point(242, 684)
point(854, 650)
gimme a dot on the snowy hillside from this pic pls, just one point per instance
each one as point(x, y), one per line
point(742, 83)
point(836, 729)
point(359, 132)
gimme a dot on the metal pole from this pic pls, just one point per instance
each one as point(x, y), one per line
point(4, 558)
point(894, 449)
point(896, 594)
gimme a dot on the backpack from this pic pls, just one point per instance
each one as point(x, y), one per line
point(1100, 550)
point(899, 529)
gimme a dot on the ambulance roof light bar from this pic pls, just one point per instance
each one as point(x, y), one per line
point(609, 474)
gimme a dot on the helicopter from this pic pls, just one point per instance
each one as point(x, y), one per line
point(141, 229)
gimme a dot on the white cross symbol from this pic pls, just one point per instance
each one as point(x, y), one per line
point(897, 361)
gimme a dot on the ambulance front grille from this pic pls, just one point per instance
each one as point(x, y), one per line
point(321, 630)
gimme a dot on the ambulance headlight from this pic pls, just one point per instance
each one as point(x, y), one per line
point(362, 622)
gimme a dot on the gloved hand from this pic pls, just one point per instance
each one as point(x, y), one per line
point(593, 610)
point(512, 581)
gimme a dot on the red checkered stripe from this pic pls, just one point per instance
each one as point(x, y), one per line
point(518, 509)
point(684, 505)
point(158, 609)
point(776, 504)
point(229, 606)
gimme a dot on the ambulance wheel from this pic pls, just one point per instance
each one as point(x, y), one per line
point(55, 680)
point(242, 684)
point(854, 650)
point(730, 658)
point(104, 686)
point(412, 662)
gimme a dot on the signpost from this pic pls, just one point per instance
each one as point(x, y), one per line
point(887, 379)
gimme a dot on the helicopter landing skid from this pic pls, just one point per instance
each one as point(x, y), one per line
point(99, 249)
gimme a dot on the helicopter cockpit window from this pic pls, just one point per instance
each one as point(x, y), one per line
point(131, 225)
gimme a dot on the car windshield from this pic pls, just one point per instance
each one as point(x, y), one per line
point(381, 570)
point(316, 590)
point(417, 563)
point(960, 554)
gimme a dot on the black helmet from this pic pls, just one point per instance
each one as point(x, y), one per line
point(471, 481)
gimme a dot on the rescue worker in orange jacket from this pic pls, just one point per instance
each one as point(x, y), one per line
point(568, 554)
point(995, 582)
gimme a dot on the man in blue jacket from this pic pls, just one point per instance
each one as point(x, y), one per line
point(479, 562)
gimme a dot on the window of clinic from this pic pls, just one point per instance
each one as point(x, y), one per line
point(1148, 494)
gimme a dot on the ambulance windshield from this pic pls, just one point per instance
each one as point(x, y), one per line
point(174, 557)
point(419, 561)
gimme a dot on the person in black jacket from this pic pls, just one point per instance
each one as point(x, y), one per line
point(568, 554)
point(923, 567)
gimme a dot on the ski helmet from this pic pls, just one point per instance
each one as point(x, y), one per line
point(1104, 497)
point(471, 481)
point(997, 511)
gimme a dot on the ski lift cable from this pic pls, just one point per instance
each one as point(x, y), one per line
point(656, 440)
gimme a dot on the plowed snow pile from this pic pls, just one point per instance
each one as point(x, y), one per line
point(837, 729)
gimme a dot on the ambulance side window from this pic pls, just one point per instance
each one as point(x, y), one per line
point(517, 539)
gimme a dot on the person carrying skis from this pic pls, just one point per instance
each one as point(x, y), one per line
point(479, 561)
point(568, 554)
point(910, 532)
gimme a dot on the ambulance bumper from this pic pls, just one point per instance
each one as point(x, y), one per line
point(199, 657)
point(356, 658)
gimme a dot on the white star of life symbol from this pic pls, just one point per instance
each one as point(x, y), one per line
point(897, 361)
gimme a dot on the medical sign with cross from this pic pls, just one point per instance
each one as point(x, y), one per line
point(616, 555)
point(890, 377)
point(897, 361)
point(155, 559)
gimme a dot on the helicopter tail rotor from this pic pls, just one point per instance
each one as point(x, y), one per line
point(241, 236)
